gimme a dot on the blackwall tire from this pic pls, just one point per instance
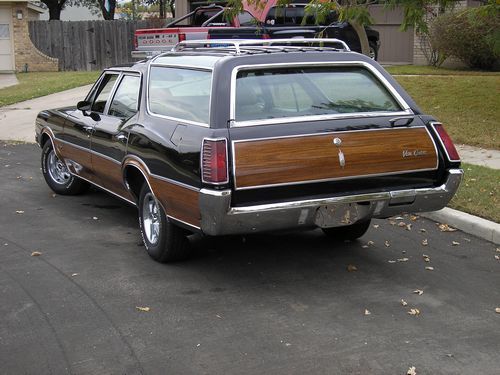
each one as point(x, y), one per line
point(348, 232)
point(57, 175)
point(163, 240)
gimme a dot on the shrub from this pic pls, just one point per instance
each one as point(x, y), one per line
point(471, 35)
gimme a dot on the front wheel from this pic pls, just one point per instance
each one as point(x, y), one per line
point(348, 232)
point(373, 51)
point(164, 241)
point(56, 173)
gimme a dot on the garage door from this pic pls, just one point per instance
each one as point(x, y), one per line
point(6, 62)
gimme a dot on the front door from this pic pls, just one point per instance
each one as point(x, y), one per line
point(6, 60)
point(79, 127)
point(110, 135)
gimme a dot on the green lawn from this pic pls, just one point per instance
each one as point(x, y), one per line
point(468, 106)
point(431, 70)
point(479, 192)
point(34, 85)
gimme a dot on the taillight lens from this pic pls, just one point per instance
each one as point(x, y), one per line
point(446, 141)
point(182, 37)
point(136, 43)
point(214, 161)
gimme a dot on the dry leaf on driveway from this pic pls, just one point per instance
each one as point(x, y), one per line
point(411, 371)
point(446, 228)
point(497, 257)
point(429, 268)
point(408, 226)
point(414, 312)
point(413, 217)
point(20, 212)
point(497, 310)
point(387, 244)
point(401, 224)
point(376, 226)
point(403, 260)
point(36, 254)
point(422, 230)
point(352, 268)
point(425, 242)
point(455, 243)
point(404, 303)
point(145, 309)
point(367, 312)
point(418, 291)
point(426, 258)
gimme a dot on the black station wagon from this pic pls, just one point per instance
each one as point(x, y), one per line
point(234, 137)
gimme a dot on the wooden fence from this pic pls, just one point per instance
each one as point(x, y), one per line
point(87, 45)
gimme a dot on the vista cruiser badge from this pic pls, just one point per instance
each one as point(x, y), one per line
point(415, 153)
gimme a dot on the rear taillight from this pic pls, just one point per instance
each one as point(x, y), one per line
point(182, 37)
point(446, 142)
point(136, 44)
point(214, 161)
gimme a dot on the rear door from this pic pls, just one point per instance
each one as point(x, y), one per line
point(307, 124)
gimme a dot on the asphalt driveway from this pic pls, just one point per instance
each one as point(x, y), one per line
point(282, 303)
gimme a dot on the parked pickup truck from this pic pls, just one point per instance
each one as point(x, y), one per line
point(242, 137)
point(195, 25)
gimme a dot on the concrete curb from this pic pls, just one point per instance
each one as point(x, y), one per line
point(467, 223)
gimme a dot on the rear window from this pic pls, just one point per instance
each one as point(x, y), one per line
point(180, 93)
point(293, 14)
point(294, 92)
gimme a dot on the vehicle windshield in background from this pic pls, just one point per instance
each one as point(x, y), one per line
point(293, 14)
point(292, 92)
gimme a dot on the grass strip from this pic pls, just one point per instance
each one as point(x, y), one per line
point(36, 84)
point(478, 193)
point(432, 70)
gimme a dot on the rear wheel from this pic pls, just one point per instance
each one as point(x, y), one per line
point(57, 175)
point(373, 51)
point(164, 241)
point(348, 232)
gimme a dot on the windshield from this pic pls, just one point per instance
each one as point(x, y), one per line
point(303, 91)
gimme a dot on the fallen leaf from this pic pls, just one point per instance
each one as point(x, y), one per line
point(455, 243)
point(398, 218)
point(404, 303)
point(497, 257)
point(429, 268)
point(392, 222)
point(497, 310)
point(418, 291)
point(414, 311)
point(391, 261)
point(413, 217)
point(54, 195)
point(364, 246)
point(411, 371)
point(403, 260)
point(425, 242)
point(408, 227)
point(376, 226)
point(74, 274)
point(367, 312)
point(498, 250)
point(422, 230)
point(401, 224)
point(145, 309)
point(369, 243)
point(95, 218)
point(36, 254)
point(387, 244)
point(19, 212)
point(218, 316)
point(352, 268)
point(426, 258)
point(446, 228)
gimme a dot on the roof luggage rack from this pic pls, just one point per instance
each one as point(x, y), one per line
point(246, 46)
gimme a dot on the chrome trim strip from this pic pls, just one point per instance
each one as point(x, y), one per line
point(103, 188)
point(232, 111)
point(136, 158)
point(233, 151)
point(148, 109)
point(433, 123)
point(201, 161)
point(184, 222)
point(173, 182)
point(90, 151)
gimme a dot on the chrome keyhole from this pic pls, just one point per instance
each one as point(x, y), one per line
point(337, 141)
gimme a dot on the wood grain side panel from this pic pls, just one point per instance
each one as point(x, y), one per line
point(79, 156)
point(110, 175)
point(180, 202)
point(310, 158)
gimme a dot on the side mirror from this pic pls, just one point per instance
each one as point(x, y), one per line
point(83, 106)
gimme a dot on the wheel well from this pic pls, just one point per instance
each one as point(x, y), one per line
point(134, 179)
point(44, 139)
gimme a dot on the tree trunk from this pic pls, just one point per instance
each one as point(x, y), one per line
point(363, 38)
point(55, 13)
point(161, 4)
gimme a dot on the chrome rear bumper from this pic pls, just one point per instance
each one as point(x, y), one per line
point(218, 217)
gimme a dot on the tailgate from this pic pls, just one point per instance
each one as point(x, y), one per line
point(332, 156)
point(156, 39)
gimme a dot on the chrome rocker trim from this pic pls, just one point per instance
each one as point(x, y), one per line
point(219, 218)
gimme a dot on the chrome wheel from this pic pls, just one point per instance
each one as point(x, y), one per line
point(151, 218)
point(57, 170)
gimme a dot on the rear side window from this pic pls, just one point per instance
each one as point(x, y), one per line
point(303, 91)
point(180, 93)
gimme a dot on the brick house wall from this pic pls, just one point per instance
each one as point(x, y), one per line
point(25, 53)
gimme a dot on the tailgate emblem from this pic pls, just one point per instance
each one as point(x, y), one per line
point(337, 142)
